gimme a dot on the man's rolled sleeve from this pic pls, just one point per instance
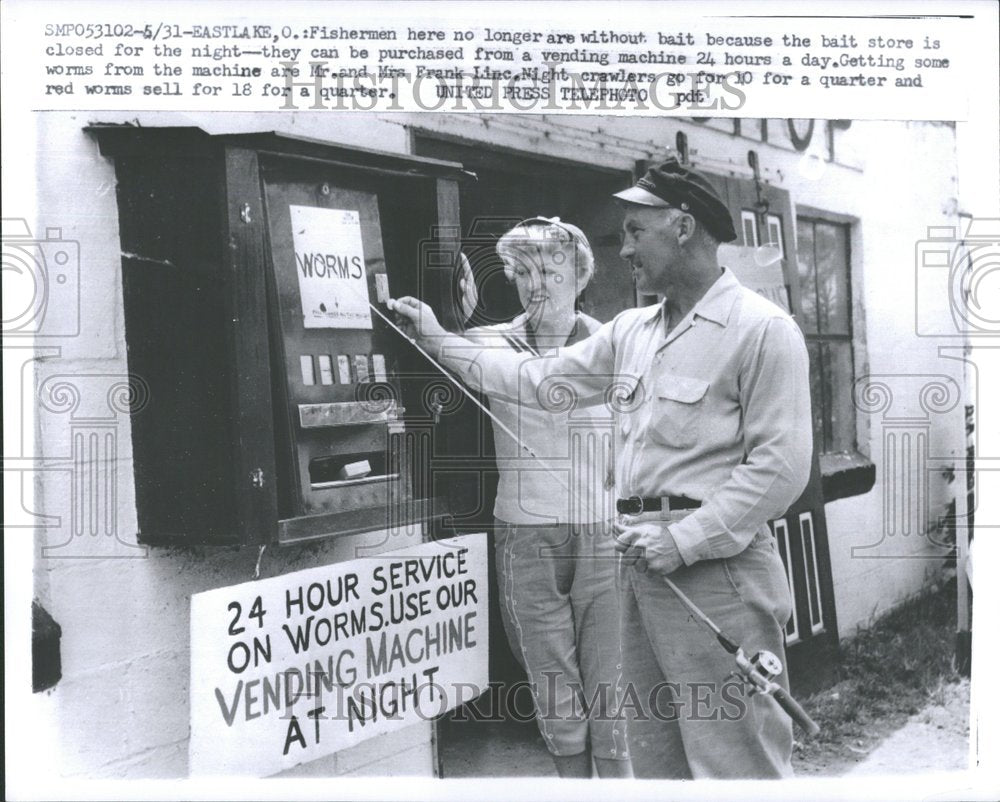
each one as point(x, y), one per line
point(690, 540)
point(777, 434)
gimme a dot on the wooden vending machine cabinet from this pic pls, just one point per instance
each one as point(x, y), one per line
point(279, 406)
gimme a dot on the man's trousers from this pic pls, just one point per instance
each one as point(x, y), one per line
point(687, 718)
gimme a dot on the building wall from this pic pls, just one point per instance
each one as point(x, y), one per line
point(909, 183)
point(121, 708)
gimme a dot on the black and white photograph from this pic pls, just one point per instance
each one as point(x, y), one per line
point(527, 438)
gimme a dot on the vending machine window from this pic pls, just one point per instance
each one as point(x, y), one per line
point(282, 405)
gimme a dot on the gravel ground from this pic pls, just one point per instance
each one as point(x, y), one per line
point(935, 739)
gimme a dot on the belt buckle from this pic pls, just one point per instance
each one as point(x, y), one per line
point(636, 501)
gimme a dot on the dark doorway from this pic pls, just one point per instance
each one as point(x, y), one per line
point(512, 187)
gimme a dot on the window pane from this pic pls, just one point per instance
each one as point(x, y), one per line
point(816, 391)
point(807, 276)
point(775, 234)
point(812, 572)
point(838, 363)
point(781, 536)
point(749, 229)
point(831, 278)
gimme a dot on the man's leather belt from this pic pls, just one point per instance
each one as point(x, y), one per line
point(636, 505)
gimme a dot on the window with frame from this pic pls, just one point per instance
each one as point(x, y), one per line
point(773, 234)
point(824, 263)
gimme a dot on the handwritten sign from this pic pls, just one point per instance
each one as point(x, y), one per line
point(330, 264)
point(293, 668)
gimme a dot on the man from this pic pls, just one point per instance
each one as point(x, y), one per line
point(713, 439)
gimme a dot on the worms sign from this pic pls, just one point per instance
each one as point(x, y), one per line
point(289, 669)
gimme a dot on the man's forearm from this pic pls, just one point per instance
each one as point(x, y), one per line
point(585, 368)
point(493, 371)
point(758, 491)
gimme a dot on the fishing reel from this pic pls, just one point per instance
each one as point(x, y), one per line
point(757, 673)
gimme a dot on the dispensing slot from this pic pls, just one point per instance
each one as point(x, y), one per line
point(344, 470)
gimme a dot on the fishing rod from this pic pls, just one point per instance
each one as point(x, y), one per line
point(757, 672)
point(468, 393)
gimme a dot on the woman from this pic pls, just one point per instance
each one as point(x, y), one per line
point(555, 555)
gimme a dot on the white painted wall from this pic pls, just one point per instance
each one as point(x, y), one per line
point(121, 708)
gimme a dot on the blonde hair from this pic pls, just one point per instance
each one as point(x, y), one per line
point(548, 236)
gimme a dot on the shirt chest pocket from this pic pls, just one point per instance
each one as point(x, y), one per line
point(678, 414)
